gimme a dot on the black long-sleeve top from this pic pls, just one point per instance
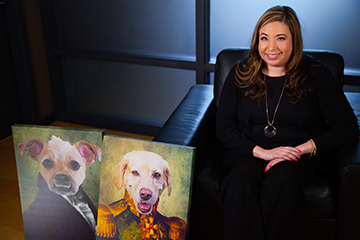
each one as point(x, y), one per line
point(324, 115)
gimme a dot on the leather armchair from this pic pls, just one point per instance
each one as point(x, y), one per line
point(331, 207)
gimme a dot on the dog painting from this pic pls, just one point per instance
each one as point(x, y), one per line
point(61, 209)
point(144, 190)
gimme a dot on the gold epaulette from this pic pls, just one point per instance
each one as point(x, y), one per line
point(106, 226)
point(177, 229)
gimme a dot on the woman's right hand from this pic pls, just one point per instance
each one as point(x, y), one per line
point(279, 153)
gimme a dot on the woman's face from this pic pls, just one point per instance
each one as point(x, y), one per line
point(275, 47)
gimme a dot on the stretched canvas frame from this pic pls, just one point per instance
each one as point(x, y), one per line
point(28, 169)
point(114, 211)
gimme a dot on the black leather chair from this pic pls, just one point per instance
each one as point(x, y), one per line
point(331, 207)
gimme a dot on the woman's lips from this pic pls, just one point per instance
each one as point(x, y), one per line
point(273, 56)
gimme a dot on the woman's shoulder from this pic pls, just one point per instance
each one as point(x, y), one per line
point(319, 73)
point(314, 67)
point(240, 66)
point(231, 80)
point(243, 62)
point(314, 63)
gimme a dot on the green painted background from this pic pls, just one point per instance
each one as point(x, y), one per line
point(28, 169)
point(180, 160)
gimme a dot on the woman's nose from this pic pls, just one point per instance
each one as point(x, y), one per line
point(272, 45)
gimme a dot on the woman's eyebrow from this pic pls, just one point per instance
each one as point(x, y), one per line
point(280, 34)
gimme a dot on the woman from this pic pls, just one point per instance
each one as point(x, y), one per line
point(280, 114)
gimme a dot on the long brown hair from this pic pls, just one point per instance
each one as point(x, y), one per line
point(250, 72)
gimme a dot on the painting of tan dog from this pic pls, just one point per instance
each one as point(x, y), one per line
point(144, 190)
point(59, 173)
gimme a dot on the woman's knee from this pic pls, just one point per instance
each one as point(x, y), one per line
point(283, 181)
point(285, 171)
point(242, 180)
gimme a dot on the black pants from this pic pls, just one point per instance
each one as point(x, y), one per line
point(261, 205)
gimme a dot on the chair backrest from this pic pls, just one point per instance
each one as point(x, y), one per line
point(228, 57)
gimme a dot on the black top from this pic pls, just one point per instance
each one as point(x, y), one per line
point(324, 115)
point(287, 118)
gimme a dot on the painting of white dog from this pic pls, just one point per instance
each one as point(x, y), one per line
point(144, 190)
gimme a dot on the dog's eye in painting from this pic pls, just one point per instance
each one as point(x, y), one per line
point(157, 175)
point(135, 173)
point(48, 164)
point(74, 165)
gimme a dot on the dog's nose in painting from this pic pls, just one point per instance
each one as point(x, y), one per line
point(62, 178)
point(145, 193)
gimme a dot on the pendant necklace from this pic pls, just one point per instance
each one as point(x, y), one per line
point(270, 130)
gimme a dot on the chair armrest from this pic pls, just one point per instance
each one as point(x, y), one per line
point(349, 191)
point(187, 125)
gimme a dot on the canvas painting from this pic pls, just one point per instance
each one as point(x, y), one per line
point(145, 190)
point(59, 176)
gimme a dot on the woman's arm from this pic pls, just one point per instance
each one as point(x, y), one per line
point(227, 123)
point(335, 109)
point(280, 154)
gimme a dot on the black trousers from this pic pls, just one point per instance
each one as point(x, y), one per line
point(261, 205)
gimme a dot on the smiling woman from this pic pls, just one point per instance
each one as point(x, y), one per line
point(278, 109)
point(275, 48)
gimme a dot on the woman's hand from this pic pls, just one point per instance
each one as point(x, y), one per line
point(279, 154)
point(276, 155)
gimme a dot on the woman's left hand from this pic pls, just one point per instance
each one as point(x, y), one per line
point(279, 153)
point(304, 148)
point(276, 161)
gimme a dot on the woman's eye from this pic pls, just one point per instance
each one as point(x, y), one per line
point(281, 38)
point(47, 163)
point(263, 38)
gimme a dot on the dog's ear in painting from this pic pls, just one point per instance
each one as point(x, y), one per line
point(32, 147)
point(167, 175)
point(120, 169)
point(88, 151)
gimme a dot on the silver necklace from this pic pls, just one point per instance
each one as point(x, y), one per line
point(270, 129)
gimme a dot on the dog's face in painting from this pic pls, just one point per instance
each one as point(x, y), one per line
point(61, 164)
point(145, 175)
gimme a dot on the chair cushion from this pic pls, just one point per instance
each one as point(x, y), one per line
point(319, 199)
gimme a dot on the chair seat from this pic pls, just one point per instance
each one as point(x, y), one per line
point(319, 199)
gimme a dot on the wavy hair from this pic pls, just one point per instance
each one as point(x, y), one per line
point(249, 73)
